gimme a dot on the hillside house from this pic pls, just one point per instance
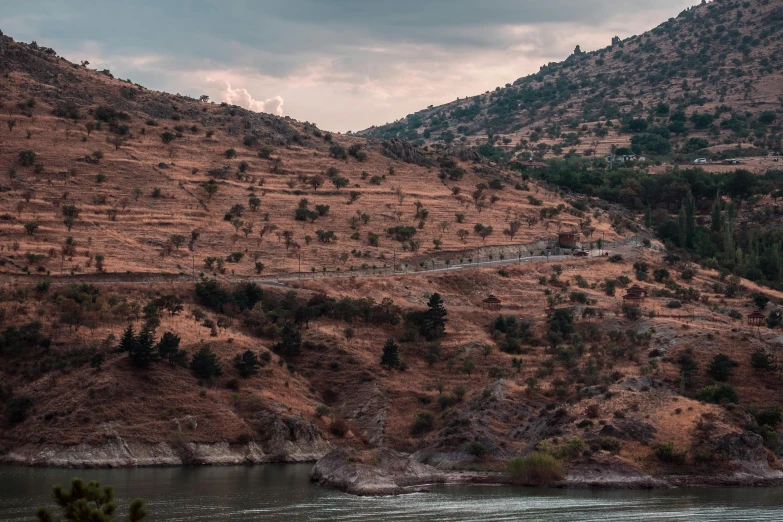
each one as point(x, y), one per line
point(567, 239)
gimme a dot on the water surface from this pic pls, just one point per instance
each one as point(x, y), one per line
point(283, 493)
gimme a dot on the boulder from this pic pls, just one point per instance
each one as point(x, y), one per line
point(378, 472)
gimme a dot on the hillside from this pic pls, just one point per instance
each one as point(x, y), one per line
point(703, 83)
point(145, 321)
point(134, 175)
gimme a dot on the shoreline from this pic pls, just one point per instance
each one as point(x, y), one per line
point(342, 473)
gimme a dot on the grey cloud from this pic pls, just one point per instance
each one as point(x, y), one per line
point(396, 51)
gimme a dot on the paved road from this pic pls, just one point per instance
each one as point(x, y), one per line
point(279, 280)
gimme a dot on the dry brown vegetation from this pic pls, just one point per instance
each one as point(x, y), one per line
point(483, 401)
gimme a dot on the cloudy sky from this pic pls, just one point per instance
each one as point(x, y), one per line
point(342, 64)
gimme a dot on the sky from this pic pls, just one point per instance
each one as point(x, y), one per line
point(342, 64)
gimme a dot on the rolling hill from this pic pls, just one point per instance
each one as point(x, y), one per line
point(703, 82)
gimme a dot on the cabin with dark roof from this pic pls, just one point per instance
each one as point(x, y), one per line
point(491, 303)
point(756, 319)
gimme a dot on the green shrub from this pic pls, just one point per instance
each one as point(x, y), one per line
point(477, 449)
point(571, 449)
point(608, 443)
point(718, 394)
point(665, 452)
point(423, 424)
point(535, 469)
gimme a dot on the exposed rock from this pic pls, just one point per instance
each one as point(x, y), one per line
point(636, 383)
point(366, 408)
point(290, 439)
point(380, 472)
point(609, 472)
point(630, 429)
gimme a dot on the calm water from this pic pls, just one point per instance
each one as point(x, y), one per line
point(276, 493)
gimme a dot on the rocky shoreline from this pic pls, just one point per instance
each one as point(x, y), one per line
point(121, 454)
point(386, 472)
point(366, 473)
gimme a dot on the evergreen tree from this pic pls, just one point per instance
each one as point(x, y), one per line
point(89, 503)
point(391, 355)
point(648, 217)
point(205, 364)
point(246, 363)
point(128, 340)
point(690, 220)
point(761, 360)
point(721, 367)
point(290, 344)
point(168, 350)
point(144, 351)
point(716, 221)
point(682, 229)
point(434, 324)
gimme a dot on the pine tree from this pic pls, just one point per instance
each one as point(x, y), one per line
point(144, 351)
point(716, 221)
point(435, 320)
point(89, 502)
point(648, 217)
point(246, 363)
point(168, 350)
point(682, 228)
point(205, 364)
point(391, 355)
point(128, 340)
point(290, 341)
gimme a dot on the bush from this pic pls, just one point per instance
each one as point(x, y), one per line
point(477, 449)
point(423, 424)
point(535, 469)
point(666, 453)
point(27, 158)
point(339, 428)
point(322, 410)
point(608, 443)
point(632, 312)
point(205, 364)
point(721, 367)
point(718, 394)
point(761, 360)
point(337, 151)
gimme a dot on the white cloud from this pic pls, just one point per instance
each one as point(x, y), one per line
point(240, 96)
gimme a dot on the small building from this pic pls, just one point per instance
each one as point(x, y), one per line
point(491, 303)
point(567, 239)
point(636, 289)
point(531, 164)
point(756, 319)
point(633, 299)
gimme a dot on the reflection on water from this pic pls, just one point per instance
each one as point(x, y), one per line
point(282, 492)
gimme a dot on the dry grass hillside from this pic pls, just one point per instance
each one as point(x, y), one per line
point(612, 385)
point(720, 60)
point(105, 177)
point(139, 172)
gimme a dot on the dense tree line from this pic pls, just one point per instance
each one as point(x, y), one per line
point(676, 205)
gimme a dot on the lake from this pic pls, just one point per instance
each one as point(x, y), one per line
point(283, 492)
